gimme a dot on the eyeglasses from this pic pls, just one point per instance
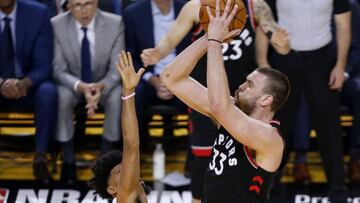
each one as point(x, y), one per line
point(87, 5)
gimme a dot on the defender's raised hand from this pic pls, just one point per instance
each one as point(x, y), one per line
point(219, 24)
point(130, 78)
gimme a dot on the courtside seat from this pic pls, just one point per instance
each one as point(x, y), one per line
point(22, 124)
point(167, 120)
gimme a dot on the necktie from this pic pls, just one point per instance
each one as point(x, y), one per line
point(7, 55)
point(86, 75)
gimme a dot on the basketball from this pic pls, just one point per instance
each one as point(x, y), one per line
point(237, 23)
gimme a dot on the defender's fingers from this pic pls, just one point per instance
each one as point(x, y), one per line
point(124, 58)
point(118, 66)
point(119, 57)
point(130, 58)
point(122, 63)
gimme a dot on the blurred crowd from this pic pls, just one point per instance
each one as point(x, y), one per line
point(56, 55)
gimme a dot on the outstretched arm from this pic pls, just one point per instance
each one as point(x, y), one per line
point(130, 171)
point(187, 18)
point(251, 132)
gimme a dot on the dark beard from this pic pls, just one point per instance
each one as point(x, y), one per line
point(245, 106)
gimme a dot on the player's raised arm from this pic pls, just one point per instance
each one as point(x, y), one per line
point(130, 169)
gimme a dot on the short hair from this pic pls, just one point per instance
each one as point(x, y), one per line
point(277, 85)
point(101, 169)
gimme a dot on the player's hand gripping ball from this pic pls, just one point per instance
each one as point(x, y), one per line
point(237, 23)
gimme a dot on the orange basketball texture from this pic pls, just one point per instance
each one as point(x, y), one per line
point(237, 23)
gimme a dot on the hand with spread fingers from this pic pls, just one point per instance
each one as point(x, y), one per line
point(130, 78)
point(219, 24)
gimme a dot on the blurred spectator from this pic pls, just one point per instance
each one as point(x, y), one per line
point(25, 61)
point(351, 93)
point(112, 6)
point(313, 69)
point(145, 31)
point(87, 44)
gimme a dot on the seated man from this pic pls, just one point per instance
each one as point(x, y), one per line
point(25, 71)
point(87, 41)
point(115, 175)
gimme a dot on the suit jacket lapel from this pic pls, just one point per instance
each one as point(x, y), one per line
point(20, 31)
point(148, 24)
point(74, 42)
point(99, 38)
point(177, 7)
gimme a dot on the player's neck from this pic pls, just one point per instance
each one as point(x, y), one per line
point(262, 115)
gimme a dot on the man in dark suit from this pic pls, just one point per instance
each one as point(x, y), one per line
point(26, 51)
point(146, 22)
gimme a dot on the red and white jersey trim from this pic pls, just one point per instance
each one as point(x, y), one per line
point(251, 14)
point(249, 157)
point(201, 151)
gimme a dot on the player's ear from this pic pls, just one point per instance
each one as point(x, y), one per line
point(266, 100)
point(111, 190)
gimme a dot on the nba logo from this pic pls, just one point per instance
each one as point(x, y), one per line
point(4, 193)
